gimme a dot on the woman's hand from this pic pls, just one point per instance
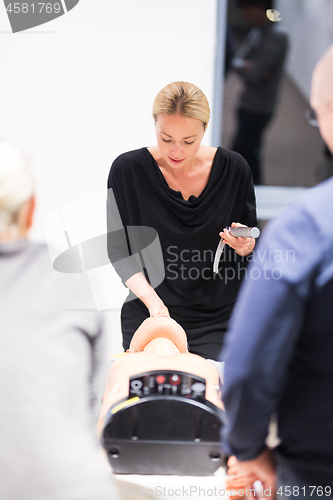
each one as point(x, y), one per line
point(242, 246)
point(142, 289)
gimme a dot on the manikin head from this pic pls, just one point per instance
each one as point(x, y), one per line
point(322, 96)
point(17, 201)
point(159, 335)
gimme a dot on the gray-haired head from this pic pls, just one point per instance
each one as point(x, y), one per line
point(17, 187)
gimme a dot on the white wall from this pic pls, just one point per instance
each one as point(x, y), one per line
point(310, 27)
point(78, 91)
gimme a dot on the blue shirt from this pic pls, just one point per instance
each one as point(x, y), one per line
point(279, 348)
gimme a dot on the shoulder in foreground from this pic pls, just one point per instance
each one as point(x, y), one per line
point(31, 250)
point(311, 211)
point(38, 249)
point(320, 195)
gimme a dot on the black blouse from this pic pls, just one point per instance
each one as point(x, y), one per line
point(185, 233)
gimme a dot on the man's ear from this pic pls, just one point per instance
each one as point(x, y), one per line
point(31, 211)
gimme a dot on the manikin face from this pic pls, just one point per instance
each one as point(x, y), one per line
point(178, 139)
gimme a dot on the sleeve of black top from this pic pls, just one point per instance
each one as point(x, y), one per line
point(125, 264)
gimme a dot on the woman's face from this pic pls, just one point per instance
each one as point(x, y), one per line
point(178, 138)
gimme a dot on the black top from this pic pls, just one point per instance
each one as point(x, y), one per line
point(188, 232)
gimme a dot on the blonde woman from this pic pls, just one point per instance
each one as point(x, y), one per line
point(188, 193)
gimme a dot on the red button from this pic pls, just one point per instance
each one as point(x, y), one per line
point(160, 379)
point(174, 380)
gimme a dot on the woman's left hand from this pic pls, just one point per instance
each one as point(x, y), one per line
point(242, 246)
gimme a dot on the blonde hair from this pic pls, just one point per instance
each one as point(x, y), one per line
point(16, 186)
point(182, 98)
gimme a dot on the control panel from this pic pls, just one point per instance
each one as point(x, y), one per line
point(168, 383)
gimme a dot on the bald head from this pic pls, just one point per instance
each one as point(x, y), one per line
point(322, 96)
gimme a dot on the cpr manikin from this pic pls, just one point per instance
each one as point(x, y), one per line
point(162, 409)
